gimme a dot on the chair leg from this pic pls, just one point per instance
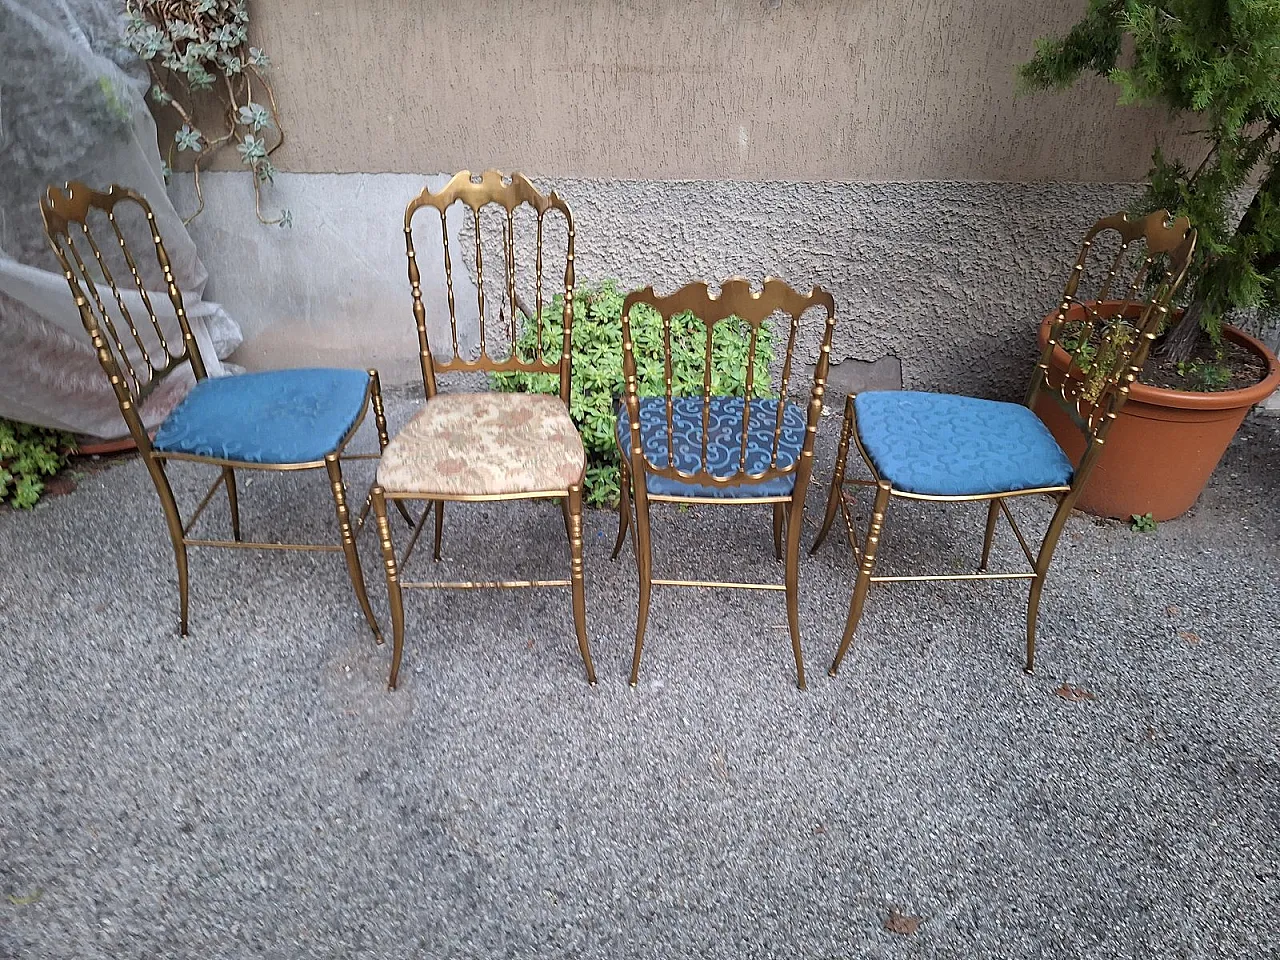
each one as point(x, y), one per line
point(435, 550)
point(869, 548)
point(794, 525)
point(173, 522)
point(394, 598)
point(993, 514)
point(379, 414)
point(233, 501)
point(644, 567)
point(837, 478)
point(334, 467)
point(1043, 559)
point(624, 509)
point(573, 516)
point(777, 530)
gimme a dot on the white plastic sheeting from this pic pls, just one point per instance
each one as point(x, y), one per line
point(72, 107)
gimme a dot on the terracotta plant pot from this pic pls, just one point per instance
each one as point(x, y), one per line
point(1164, 444)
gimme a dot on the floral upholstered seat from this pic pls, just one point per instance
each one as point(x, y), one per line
point(485, 444)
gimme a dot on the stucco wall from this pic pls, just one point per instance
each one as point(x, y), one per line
point(875, 148)
point(949, 278)
point(690, 89)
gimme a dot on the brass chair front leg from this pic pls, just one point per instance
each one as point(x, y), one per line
point(334, 469)
point(777, 530)
point(865, 568)
point(644, 567)
point(794, 524)
point(573, 513)
point(394, 598)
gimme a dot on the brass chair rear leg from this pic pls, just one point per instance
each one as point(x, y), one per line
point(993, 514)
point(180, 556)
point(394, 598)
point(173, 522)
point(644, 567)
point(837, 478)
point(334, 469)
point(573, 516)
point(624, 511)
point(865, 568)
point(233, 501)
point(435, 550)
point(793, 581)
point(1043, 559)
point(777, 530)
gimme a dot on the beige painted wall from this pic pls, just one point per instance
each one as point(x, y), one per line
point(701, 89)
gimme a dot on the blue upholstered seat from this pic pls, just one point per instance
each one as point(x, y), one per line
point(940, 444)
point(279, 416)
point(724, 443)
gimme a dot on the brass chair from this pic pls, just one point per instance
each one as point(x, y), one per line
point(279, 420)
point(724, 450)
point(943, 447)
point(472, 447)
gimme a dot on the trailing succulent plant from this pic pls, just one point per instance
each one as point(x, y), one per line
point(202, 65)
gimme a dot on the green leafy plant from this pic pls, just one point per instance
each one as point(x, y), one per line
point(1142, 523)
point(1206, 375)
point(597, 383)
point(1218, 61)
point(201, 64)
point(27, 455)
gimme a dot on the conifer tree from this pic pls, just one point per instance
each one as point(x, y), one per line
point(1219, 62)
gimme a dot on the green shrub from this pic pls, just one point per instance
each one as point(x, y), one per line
point(597, 368)
point(27, 454)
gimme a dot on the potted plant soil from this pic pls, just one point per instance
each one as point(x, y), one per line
point(1219, 65)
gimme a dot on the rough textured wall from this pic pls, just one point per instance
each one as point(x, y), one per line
point(948, 278)
point(703, 89)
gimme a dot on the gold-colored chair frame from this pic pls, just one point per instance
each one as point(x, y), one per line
point(71, 206)
point(1089, 392)
point(509, 194)
point(736, 299)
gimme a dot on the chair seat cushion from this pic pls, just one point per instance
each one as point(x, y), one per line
point(724, 444)
point(277, 416)
point(485, 444)
point(940, 444)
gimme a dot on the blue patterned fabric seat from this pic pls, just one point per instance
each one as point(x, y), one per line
point(724, 444)
point(279, 416)
point(941, 444)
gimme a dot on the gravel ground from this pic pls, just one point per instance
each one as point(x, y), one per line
point(253, 791)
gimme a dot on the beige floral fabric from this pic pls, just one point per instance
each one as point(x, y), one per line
point(485, 444)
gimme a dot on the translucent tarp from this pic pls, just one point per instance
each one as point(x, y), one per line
point(72, 107)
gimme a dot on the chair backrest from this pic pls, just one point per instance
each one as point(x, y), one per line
point(505, 195)
point(135, 353)
point(1106, 333)
point(694, 306)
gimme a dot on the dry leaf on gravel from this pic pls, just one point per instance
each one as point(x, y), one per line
point(1075, 694)
point(1190, 636)
point(901, 923)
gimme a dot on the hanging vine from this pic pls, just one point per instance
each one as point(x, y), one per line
point(198, 51)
